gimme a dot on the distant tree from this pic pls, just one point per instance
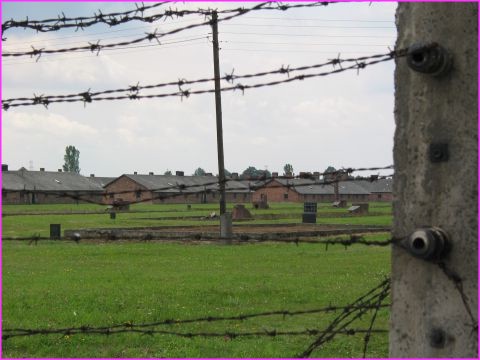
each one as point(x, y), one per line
point(250, 172)
point(168, 172)
point(264, 174)
point(71, 158)
point(253, 173)
point(328, 173)
point(287, 169)
point(329, 169)
point(199, 172)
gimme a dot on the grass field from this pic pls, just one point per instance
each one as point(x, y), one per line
point(143, 215)
point(63, 284)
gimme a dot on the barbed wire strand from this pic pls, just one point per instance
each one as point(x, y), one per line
point(227, 334)
point(349, 316)
point(79, 195)
point(85, 196)
point(367, 336)
point(114, 19)
point(229, 78)
point(207, 319)
point(336, 177)
point(97, 47)
point(88, 97)
point(458, 283)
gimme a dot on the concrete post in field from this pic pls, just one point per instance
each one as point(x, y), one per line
point(225, 218)
point(434, 303)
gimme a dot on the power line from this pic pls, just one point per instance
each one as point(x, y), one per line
point(83, 41)
point(297, 51)
point(301, 43)
point(117, 51)
point(314, 26)
point(318, 19)
point(308, 35)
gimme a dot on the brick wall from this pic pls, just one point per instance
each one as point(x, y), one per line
point(210, 198)
point(387, 197)
point(27, 197)
point(275, 192)
point(132, 191)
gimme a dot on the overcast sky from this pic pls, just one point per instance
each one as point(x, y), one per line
point(343, 120)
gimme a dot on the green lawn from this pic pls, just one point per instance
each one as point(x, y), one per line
point(63, 284)
point(170, 215)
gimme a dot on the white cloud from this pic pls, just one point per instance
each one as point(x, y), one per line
point(49, 124)
point(312, 123)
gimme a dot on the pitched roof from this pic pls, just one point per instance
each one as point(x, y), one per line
point(187, 184)
point(377, 186)
point(47, 181)
point(312, 187)
point(11, 180)
point(101, 181)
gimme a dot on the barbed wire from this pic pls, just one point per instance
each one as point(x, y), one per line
point(207, 319)
point(353, 239)
point(114, 19)
point(97, 47)
point(88, 96)
point(340, 323)
point(361, 305)
point(359, 63)
point(227, 334)
point(458, 283)
point(182, 189)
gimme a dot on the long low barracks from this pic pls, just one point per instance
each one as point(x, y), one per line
point(55, 187)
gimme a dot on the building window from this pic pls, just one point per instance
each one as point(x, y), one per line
point(244, 196)
point(285, 196)
point(379, 196)
point(138, 195)
point(110, 196)
point(234, 196)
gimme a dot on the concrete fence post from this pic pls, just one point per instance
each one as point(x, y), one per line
point(434, 304)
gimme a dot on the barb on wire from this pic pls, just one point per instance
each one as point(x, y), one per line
point(71, 98)
point(348, 316)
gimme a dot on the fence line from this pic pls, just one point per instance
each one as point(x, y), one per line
point(182, 189)
point(341, 322)
point(372, 300)
point(114, 19)
point(88, 97)
point(229, 78)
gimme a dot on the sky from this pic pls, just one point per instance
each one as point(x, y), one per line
point(341, 120)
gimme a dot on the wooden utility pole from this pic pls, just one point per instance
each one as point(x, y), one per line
point(225, 220)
